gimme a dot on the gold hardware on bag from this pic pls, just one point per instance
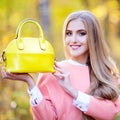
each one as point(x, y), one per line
point(29, 54)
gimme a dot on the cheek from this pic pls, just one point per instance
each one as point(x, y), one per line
point(83, 39)
point(67, 40)
point(87, 47)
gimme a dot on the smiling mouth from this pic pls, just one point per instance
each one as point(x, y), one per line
point(75, 46)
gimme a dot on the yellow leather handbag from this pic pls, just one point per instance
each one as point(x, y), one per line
point(29, 54)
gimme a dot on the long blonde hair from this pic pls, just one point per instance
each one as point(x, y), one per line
point(103, 71)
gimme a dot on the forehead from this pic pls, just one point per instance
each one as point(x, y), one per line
point(75, 24)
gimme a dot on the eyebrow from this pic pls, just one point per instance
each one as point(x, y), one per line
point(77, 30)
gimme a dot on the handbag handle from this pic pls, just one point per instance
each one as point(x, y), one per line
point(18, 33)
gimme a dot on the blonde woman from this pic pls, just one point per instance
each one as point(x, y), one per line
point(84, 86)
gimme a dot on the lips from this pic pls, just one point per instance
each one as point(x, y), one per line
point(74, 47)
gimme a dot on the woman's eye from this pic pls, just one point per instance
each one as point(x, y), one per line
point(68, 33)
point(82, 33)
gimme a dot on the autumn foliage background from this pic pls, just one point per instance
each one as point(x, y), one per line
point(14, 100)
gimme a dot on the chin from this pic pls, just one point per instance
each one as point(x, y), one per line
point(75, 55)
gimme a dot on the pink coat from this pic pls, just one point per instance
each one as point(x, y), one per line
point(58, 105)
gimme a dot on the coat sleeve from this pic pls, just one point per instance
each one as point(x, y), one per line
point(45, 110)
point(103, 109)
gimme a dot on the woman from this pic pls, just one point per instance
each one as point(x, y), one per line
point(84, 86)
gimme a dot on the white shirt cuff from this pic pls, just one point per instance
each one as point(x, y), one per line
point(82, 101)
point(35, 96)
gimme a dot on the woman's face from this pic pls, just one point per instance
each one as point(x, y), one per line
point(76, 41)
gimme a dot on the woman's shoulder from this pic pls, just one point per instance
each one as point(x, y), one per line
point(44, 79)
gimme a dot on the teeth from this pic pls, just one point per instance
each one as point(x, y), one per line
point(75, 46)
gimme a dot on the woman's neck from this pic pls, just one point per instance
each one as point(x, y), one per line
point(76, 62)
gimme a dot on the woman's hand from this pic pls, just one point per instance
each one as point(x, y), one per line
point(64, 80)
point(19, 76)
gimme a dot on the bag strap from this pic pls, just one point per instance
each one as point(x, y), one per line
point(18, 33)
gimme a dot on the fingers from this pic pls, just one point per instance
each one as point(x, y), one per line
point(7, 75)
point(56, 66)
point(59, 76)
point(3, 72)
point(59, 69)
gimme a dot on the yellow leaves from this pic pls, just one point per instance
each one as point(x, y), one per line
point(112, 4)
point(100, 11)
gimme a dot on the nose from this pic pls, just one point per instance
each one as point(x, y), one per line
point(74, 38)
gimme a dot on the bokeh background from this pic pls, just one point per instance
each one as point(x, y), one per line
point(14, 100)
